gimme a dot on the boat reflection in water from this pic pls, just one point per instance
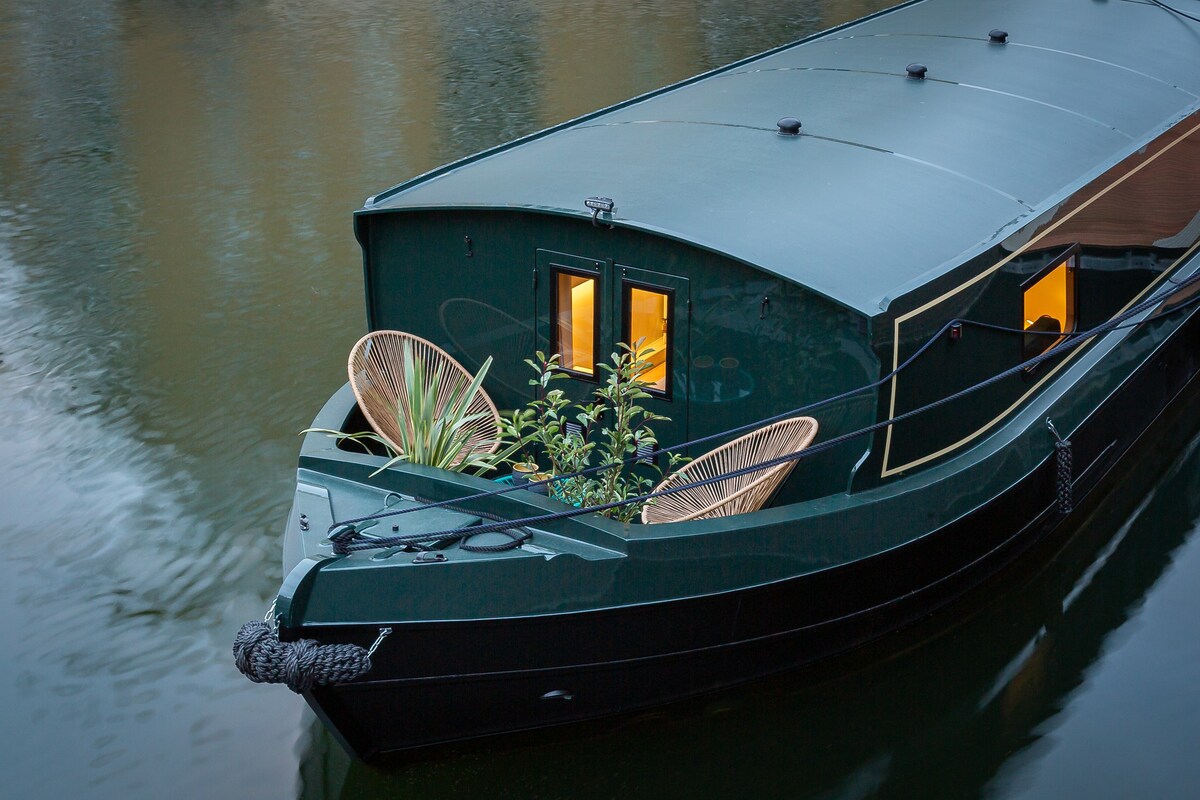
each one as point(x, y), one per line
point(991, 675)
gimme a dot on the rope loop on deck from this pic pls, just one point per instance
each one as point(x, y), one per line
point(301, 664)
point(343, 534)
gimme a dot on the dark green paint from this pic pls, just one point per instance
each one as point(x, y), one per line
point(791, 261)
point(180, 288)
point(444, 260)
point(799, 349)
point(599, 563)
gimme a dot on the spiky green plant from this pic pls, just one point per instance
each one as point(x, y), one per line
point(432, 432)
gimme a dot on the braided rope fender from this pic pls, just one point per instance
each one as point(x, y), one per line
point(1063, 471)
point(302, 664)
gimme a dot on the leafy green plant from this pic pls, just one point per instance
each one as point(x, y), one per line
point(543, 424)
point(437, 434)
point(627, 430)
point(621, 425)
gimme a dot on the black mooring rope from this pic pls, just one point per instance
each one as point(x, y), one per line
point(517, 536)
point(301, 664)
point(1174, 10)
point(346, 539)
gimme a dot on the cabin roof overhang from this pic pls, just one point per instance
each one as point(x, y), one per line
point(893, 181)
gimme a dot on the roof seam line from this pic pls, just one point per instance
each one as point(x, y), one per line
point(1009, 43)
point(952, 83)
point(806, 135)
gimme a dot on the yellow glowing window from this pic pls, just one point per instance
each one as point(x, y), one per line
point(1050, 307)
point(648, 320)
point(575, 321)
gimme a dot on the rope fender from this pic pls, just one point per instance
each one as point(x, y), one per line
point(1063, 471)
point(302, 664)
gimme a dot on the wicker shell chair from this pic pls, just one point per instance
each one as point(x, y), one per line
point(376, 369)
point(734, 495)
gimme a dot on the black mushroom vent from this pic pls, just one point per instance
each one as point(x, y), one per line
point(789, 126)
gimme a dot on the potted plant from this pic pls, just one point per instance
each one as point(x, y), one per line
point(523, 471)
point(435, 427)
point(620, 426)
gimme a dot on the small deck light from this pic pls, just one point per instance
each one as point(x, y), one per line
point(598, 204)
point(997, 36)
point(916, 71)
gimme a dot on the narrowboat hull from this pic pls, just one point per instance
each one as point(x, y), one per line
point(976, 362)
point(442, 680)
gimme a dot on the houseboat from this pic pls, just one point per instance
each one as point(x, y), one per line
point(957, 238)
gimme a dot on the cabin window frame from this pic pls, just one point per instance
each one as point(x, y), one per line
point(597, 310)
point(627, 287)
point(1069, 256)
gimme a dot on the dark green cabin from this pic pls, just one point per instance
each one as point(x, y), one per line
point(796, 267)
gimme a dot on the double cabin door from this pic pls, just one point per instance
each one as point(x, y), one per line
point(585, 306)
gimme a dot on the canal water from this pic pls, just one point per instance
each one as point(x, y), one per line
point(179, 286)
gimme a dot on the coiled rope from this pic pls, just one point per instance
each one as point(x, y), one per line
point(346, 539)
point(301, 664)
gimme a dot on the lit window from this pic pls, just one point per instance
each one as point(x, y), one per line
point(1050, 306)
point(575, 321)
point(648, 316)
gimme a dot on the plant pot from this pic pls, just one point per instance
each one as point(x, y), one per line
point(540, 476)
point(521, 472)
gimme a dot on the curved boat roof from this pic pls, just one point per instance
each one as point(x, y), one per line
point(893, 181)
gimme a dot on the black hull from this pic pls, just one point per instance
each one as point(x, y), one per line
point(499, 676)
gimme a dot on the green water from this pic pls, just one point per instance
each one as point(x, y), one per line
point(179, 285)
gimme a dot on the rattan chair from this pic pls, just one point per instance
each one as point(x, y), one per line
point(738, 495)
point(376, 369)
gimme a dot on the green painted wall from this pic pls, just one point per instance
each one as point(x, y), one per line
point(745, 360)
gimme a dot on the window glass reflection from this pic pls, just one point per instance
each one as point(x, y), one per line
point(1049, 308)
point(575, 322)
point(648, 320)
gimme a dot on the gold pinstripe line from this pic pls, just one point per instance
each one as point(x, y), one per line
point(886, 472)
